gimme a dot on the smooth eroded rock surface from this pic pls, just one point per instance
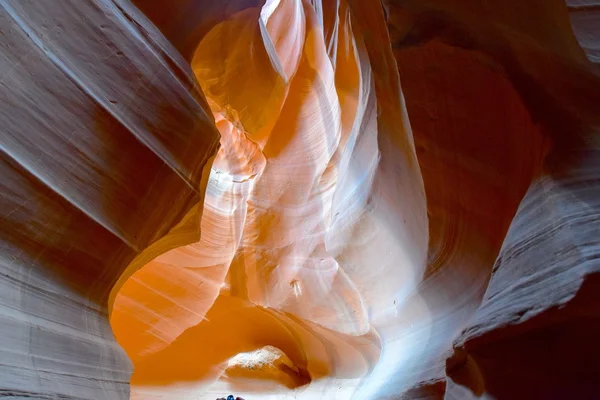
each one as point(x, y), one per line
point(105, 137)
point(299, 199)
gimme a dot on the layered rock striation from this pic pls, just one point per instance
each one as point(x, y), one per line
point(105, 140)
point(203, 198)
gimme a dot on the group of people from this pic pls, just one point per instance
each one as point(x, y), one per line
point(230, 397)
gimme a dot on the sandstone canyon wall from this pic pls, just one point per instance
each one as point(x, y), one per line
point(584, 16)
point(105, 141)
point(526, 338)
point(248, 194)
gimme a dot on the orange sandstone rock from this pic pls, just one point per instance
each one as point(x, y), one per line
point(259, 207)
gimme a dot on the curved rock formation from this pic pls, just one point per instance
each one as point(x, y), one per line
point(298, 200)
point(236, 186)
point(584, 15)
point(105, 140)
point(538, 295)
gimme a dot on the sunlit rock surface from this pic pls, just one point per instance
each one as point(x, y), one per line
point(301, 198)
point(237, 188)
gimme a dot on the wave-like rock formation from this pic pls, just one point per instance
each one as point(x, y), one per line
point(585, 15)
point(392, 199)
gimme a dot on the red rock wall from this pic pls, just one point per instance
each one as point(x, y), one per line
point(98, 116)
point(409, 212)
point(526, 338)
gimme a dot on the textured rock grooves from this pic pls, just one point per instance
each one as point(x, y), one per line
point(530, 335)
point(584, 16)
point(235, 185)
point(104, 145)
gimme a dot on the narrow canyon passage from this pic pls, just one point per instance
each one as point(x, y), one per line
point(300, 199)
point(294, 209)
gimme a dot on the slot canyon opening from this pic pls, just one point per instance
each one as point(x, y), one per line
point(327, 248)
point(248, 294)
point(317, 176)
